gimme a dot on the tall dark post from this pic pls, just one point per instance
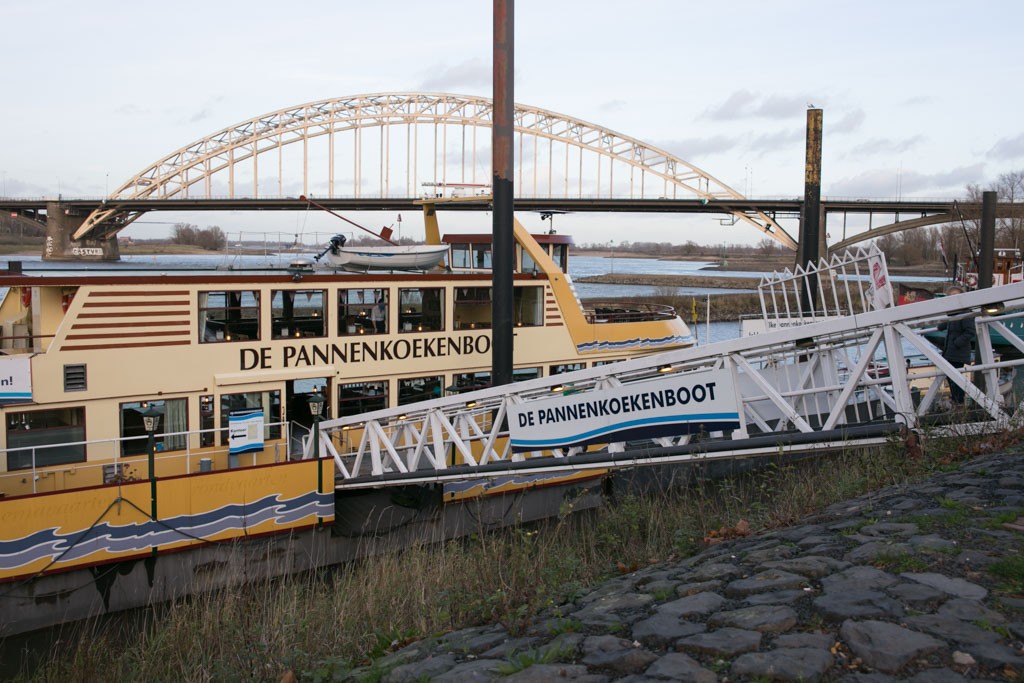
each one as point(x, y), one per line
point(987, 244)
point(810, 217)
point(502, 149)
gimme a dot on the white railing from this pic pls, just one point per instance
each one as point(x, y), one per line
point(801, 387)
point(123, 468)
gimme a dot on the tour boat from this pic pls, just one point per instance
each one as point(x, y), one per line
point(95, 491)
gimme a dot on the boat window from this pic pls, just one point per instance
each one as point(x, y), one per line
point(45, 437)
point(298, 313)
point(472, 308)
point(470, 381)
point(529, 265)
point(560, 255)
point(565, 367)
point(362, 397)
point(170, 433)
point(229, 316)
point(481, 256)
point(363, 311)
point(206, 423)
point(413, 389)
point(421, 309)
point(528, 303)
point(523, 374)
point(461, 256)
point(269, 401)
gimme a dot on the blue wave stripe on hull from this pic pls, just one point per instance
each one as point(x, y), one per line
point(641, 428)
point(636, 342)
point(48, 544)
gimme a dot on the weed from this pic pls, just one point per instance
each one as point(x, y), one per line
point(518, 661)
point(1011, 570)
point(900, 562)
point(565, 625)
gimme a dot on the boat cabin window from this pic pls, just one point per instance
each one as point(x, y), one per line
point(363, 311)
point(269, 401)
point(529, 265)
point(298, 313)
point(470, 381)
point(472, 308)
point(170, 434)
point(528, 306)
point(206, 423)
point(45, 437)
point(362, 397)
point(523, 374)
point(565, 367)
point(560, 255)
point(229, 316)
point(474, 255)
point(414, 389)
point(421, 309)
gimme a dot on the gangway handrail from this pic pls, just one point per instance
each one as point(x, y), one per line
point(813, 379)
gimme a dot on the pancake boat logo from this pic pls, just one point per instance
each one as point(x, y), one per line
point(675, 405)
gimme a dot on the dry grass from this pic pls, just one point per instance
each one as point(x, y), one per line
point(322, 625)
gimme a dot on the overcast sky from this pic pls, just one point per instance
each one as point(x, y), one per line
point(920, 98)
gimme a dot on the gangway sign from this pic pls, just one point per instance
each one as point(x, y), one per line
point(681, 403)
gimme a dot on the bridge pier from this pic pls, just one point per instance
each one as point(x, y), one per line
point(61, 223)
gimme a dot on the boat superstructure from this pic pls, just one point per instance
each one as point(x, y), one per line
point(233, 363)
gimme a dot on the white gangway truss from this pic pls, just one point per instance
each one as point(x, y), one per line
point(849, 368)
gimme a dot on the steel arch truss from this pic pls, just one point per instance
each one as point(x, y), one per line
point(558, 157)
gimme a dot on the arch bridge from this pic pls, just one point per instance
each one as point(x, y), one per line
point(389, 144)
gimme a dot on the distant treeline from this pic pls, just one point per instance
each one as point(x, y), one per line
point(211, 238)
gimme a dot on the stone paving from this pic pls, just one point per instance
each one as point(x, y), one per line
point(918, 583)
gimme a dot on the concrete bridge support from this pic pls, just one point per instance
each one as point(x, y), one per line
point(61, 223)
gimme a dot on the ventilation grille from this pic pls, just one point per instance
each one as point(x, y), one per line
point(74, 378)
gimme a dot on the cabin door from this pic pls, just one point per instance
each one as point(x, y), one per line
point(297, 411)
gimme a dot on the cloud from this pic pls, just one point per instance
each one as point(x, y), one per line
point(737, 106)
point(886, 146)
point(1008, 148)
point(693, 148)
point(744, 104)
point(849, 122)
point(471, 73)
point(890, 182)
point(613, 105)
point(783, 139)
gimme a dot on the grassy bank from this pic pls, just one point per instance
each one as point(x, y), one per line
point(324, 625)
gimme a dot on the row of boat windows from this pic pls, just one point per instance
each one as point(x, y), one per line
point(226, 316)
point(478, 255)
point(40, 438)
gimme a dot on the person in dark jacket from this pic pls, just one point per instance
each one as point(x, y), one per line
point(958, 347)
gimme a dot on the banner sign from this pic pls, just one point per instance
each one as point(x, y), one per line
point(674, 405)
point(881, 288)
point(245, 431)
point(15, 380)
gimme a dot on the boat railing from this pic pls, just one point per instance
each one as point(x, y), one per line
point(598, 312)
point(119, 469)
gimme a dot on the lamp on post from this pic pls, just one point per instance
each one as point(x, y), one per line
point(151, 421)
point(316, 407)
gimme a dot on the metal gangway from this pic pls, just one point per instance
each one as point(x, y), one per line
point(847, 368)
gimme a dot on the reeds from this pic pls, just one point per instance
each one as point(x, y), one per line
point(322, 625)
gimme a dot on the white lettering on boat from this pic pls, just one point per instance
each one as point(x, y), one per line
point(362, 351)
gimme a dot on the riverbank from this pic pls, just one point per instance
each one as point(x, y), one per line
point(880, 565)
